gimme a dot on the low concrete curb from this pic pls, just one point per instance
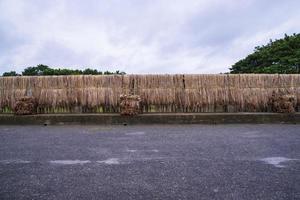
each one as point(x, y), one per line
point(170, 118)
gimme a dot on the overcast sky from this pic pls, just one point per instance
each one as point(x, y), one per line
point(140, 36)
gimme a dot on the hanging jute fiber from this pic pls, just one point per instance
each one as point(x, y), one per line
point(160, 93)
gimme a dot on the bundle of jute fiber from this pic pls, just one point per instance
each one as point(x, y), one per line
point(283, 103)
point(130, 105)
point(25, 106)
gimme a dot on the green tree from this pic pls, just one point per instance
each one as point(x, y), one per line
point(108, 73)
point(11, 73)
point(279, 56)
point(89, 71)
point(35, 71)
point(44, 70)
point(118, 72)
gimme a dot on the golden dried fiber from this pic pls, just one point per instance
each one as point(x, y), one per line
point(165, 93)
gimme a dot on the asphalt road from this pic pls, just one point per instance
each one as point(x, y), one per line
point(150, 162)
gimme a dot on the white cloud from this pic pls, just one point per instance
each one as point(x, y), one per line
point(171, 36)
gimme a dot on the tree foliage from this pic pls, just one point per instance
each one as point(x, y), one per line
point(11, 73)
point(44, 70)
point(279, 56)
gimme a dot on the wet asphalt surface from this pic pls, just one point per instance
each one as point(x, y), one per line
point(150, 162)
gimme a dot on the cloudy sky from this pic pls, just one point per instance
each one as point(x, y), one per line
point(140, 36)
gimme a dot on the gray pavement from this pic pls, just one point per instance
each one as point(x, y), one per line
point(150, 162)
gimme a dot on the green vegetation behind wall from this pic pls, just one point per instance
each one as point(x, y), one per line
point(279, 56)
point(44, 70)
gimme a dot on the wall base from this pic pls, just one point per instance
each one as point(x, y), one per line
point(170, 118)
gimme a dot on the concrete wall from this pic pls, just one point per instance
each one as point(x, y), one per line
point(180, 118)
